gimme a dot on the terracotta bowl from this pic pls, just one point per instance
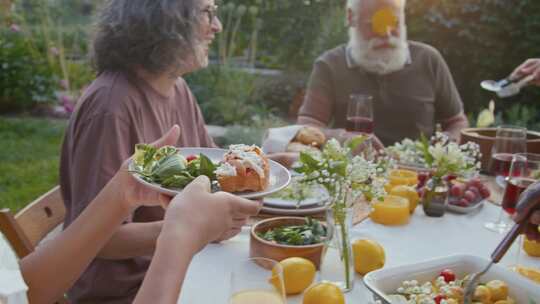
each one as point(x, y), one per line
point(485, 138)
point(258, 247)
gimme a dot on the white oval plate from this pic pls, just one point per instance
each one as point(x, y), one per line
point(464, 210)
point(316, 199)
point(279, 175)
point(289, 211)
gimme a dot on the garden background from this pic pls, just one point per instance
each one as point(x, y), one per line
point(259, 67)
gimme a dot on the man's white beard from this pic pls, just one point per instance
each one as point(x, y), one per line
point(380, 61)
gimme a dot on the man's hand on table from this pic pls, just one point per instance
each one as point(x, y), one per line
point(287, 159)
point(376, 143)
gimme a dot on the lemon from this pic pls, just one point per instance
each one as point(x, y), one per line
point(482, 294)
point(368, 256)
point(531, 273)
point(498, 289)
point(383, 21)
point(298, 274)
point(532, 248)
point(407, 192)
point(324, 293)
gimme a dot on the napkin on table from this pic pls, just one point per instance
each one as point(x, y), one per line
point(277, 139)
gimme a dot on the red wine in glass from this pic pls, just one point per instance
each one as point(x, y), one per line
point(513, 190)
point(500, 164)
point(359, 124)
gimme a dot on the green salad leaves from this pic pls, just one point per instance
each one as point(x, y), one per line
point(312, 232)
point(167, 167)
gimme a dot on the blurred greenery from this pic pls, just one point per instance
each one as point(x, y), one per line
point(480, 39)
point(227, 95)
point(26, 78)
point(30, 154)
point(42, 55)
point(252, 134)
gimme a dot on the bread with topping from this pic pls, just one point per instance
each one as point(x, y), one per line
point(244, 168)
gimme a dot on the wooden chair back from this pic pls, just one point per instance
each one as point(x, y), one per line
point(30, 225)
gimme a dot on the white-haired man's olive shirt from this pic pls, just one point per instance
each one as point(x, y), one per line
point(407, 103)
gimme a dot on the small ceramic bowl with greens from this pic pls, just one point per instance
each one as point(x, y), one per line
point(284, 237)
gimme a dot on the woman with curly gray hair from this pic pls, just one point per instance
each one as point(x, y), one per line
point(141, 48)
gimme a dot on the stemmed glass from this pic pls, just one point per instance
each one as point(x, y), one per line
point(360, 122)
point(257, 280)
point(524, 171)
point(360, 114)
point(509, 140)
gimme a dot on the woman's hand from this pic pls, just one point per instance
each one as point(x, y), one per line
point(204, 217)
point(133, 194)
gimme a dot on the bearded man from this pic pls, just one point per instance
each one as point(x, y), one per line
point(410, 83)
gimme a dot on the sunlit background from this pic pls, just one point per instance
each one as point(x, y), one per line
point(259, 67)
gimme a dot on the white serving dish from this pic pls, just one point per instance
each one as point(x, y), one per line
point(318, 197)
point(386, 281)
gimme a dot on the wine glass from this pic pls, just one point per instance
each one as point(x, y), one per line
point(360, 114)
point(508, 141)
point(257, 280)
point(524, 170)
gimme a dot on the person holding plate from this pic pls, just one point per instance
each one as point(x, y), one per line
point(193, 218)
point(141, 49)
point(406, 86)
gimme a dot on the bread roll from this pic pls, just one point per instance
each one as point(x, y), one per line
point(310, 136)
point(299, 147)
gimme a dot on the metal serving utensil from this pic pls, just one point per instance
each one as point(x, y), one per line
point(528, 201)
point(506, 87)
point(495, 86)
point(496, 256)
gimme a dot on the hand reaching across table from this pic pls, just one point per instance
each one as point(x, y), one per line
point(529, 67)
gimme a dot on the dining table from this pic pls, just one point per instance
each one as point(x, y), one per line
point(423, 238)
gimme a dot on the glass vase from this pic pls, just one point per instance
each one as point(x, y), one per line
point(337, 263)
point(435, 197)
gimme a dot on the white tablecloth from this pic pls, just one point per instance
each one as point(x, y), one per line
point(423, 238)
point(12, 286)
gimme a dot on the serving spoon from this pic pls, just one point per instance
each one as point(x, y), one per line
point(506, 87)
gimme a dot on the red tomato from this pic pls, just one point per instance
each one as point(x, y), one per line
point(439, 298)
point(448, 275)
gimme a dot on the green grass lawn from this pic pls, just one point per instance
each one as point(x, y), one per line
point(29, 155)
